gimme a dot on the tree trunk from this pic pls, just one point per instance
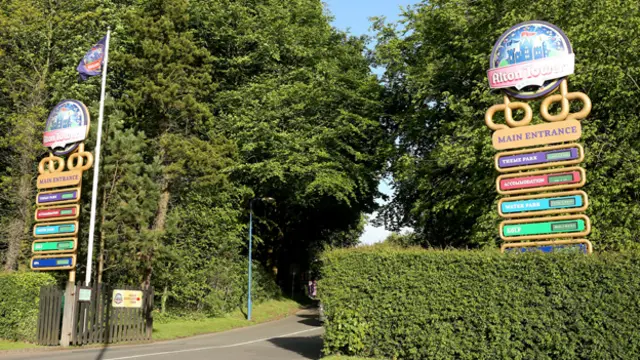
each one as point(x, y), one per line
point(158, 226)
point(165, 296)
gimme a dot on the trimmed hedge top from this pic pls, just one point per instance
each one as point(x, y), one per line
point(425, 304)
point(19, 302)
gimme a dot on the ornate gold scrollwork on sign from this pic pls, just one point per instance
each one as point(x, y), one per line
point(51, 164)
point(563, 98)
point(80, 160)
point(508, 108)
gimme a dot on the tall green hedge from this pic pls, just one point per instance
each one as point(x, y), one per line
point(19, 301)
point(419, 304)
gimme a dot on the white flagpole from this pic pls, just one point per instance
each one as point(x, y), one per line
point(96, 164)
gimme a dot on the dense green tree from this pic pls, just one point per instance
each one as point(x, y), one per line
point(306, 126)
point(129, 202)
point(436, 62)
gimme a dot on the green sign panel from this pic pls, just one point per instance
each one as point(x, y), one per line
point(53, 245)
point(563, 202)
point(541, 228)
point(559, 155)
point(560, 178)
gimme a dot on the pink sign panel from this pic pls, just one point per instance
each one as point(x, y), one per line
point(526, 182)
point(534, 72)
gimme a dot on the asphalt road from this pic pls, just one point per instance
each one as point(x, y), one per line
point(296, 337)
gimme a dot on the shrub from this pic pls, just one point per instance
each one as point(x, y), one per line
point(425, 304)
point(228, 287)
point(19, 302)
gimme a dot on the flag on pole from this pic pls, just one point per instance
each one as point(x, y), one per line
point(91, 63)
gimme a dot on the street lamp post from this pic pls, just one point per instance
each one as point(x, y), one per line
point(266, 199)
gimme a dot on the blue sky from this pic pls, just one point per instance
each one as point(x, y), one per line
point(353, 15)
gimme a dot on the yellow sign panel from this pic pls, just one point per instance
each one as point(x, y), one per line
point(127, 299)
point(541, 134)
point(60, 179)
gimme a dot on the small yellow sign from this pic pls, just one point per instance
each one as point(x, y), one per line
point(60, 179)
point(127, 299)
point(541, 134)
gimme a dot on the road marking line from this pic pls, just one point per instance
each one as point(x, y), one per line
point(215, 347)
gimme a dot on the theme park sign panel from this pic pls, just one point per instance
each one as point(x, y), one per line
point(540, 157)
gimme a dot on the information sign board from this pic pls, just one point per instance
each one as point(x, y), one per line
point(545, 228)
point(520, 160)
point(53, 262)
point(582, 245)
point(65, 228)
point(68, 212)
point(541, 134)
point(553, 179)
point(127, 299)
point(55, 246)
point(59, 179)
point(543, 204)
point(56, 197)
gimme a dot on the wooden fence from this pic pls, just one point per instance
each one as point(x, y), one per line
point(50, 316)
point(96, 320)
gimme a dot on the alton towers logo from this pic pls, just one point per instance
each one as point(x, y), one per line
point(530, 60)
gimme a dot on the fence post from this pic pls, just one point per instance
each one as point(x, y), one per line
point(68, 315)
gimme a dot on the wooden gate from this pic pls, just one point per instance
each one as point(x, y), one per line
point(96, 321)
point(50, 316)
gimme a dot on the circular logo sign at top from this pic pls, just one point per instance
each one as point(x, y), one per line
point(530, 60)
point(67, 126)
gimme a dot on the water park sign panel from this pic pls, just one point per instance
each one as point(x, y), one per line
point(67, 126)
point(533, 60)
point(530, 59)
point(543, 204)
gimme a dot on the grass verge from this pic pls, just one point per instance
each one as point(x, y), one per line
point(15, 345)
point(267, 311)
point(342, 357)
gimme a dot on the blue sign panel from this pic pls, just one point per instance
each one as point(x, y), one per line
point(61, 262)
point(55, 229)
point(563, 202)
point(550, 248)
